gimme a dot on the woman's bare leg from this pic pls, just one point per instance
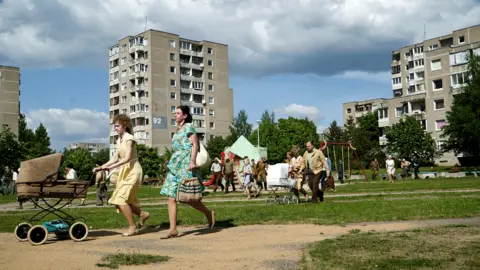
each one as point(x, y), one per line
point(127, 213)
point(172, 214)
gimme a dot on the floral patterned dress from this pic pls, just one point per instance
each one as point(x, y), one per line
point(178, 166)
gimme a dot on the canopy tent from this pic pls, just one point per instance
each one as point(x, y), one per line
point(243, 148)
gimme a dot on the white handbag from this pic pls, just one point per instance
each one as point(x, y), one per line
point(203, 159)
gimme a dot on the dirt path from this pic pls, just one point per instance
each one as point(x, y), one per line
point(91, 203)
point(245, 247)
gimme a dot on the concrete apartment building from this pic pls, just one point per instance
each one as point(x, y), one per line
point(9, 97)
point(91, 147)
point(153, 72)
point(425, 78)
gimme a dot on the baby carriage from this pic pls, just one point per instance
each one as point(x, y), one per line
point(37, 182)
point(278, 180)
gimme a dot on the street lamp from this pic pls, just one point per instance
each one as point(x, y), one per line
point(258, 134)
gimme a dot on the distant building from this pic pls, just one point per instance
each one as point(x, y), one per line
point(9, 97)
point(91, 147)
point(425, 79)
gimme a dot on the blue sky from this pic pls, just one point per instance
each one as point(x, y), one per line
point(295, 58)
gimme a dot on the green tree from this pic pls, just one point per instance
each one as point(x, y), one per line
point(12, 152)
point(241, 126)
point(463, 130)
point(26, 136)
point(41, 145)
point(82, 161)
point(334, 133)
point(408, 138)
point(151, 161)
point(215, 146)
point(102, 156)
point(267, 129)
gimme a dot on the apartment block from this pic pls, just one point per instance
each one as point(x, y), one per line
point(9, 97)
point(425, 79)
point(154, 72)
point(91, 147)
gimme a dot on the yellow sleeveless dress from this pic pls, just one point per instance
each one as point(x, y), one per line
point(129, 175)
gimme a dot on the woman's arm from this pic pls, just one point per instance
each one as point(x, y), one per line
point(193, 159)
point(126, 159)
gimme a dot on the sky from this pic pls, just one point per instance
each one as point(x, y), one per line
point(299, 58)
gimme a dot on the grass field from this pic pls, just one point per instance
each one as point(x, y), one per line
point(453, 247)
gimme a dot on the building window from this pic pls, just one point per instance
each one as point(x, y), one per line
point(418, 50)
point(172, 57)
point(124, 99)
point(197, 85)
point(172, 134)
point(173, 122)
point(211, 100)
point(210, 51)
point(433, 47)
point(172, 109)
point(439, 124)
point(349, 110)
point(438, 104)
point(123, 60)
point(210, 63)
point(437, 85)
point(173, 83)
point(440, 145)
point(461, 39)
point(173, 95)
point(459, 79)
point(383, 113)
point(396, 69)
point(212, 125)
point(459, 58)
point(197, 111)
point(397, 80)
point(210, 75)
point(172, 70)
point(211, 87)
point(419, 63)
point(420, 75)
point(211, 112)
point(436, 64)
point(172, 43)
point(399, 111)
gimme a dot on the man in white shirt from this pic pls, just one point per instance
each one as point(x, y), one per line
point(217, 173)
point(71, 174)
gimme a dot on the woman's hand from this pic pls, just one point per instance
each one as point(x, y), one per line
point(192, 165)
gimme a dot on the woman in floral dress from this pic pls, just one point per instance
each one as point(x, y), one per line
point(182, 165)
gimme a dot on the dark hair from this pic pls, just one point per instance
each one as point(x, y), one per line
point(186, 110)
point(125, 121)
point(69, 165)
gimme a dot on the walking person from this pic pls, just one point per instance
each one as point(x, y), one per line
point(416, 166)
point(340, 171)
point(297, 167)
point(375, 168)
point(182, 165)
point(216, 169)
point(129, 175)
point(261, 170)
point(390, 166)
point(227, 171)
point(314, 162)
point(405, 165)
point(101, 183)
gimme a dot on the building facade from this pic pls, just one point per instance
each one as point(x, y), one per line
point(91, 147)
point(153, 72)
point(425, 78)
point(10, 97)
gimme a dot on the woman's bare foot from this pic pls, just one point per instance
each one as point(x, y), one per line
point(211, 219)
point(171, 234)
point(131, 231)
point(144, 216)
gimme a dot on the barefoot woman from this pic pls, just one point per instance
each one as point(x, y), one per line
point(129, 174)
point(182, 165)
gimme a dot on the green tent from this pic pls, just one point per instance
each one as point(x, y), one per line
point(242, 147)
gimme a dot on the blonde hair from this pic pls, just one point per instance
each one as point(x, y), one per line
point(125, 121)
point(295, 150)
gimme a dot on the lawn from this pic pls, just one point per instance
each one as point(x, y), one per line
point(329, 212)
point(452, 247)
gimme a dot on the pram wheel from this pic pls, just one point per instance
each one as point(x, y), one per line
point(286, 200)
point(37, 235)
point(21, 231)
point(295, 200)
point(78, 231)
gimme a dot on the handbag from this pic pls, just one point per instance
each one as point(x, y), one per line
point(203, 159)
point(190, 190)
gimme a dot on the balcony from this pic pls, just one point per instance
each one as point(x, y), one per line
point(140, 74)
point(412, 82)
point(139, 128)
point(191, 53)
point(360, 114)
point(137, 47)
point(418, 56)
point(137, 114)
point(114, 57)
point(114, 94)
point(200, 129)
point(114, 82)
point(382, 140)
point(191, 91)
point(457, 90)
point(418, 115)
point(140, 87)
point(186, 77)
point(192, 65)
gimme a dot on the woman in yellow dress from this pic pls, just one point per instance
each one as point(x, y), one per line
point(129, 175)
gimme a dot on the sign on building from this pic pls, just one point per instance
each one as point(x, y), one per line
point(160, 122)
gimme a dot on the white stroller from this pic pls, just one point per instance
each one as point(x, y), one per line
point(277, 180)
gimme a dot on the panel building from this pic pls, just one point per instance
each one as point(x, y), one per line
point(153, 72)
point(91, 147)
point(9, 97)
point(425, 78)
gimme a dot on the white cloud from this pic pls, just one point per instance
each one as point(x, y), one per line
point(264, 37)
point(300, 111)
point(68, 126)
